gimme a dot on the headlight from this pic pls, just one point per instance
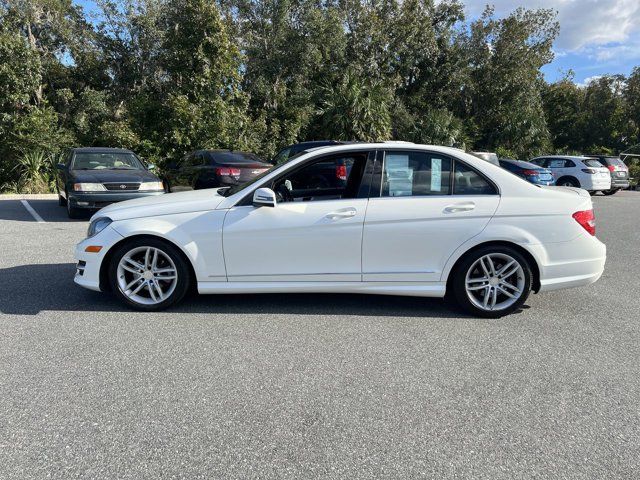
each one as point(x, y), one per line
point(98, 225)
point(151, 186)
point(88, 187)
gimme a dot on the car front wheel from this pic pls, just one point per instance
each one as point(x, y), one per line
point(149, 274)
point(492, 281)
point(610, 192)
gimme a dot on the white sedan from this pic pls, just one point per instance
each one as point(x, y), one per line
point(383, 218)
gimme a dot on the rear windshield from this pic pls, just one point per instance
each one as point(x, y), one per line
point(105, 161)
point(523, 164)
point(615, 161)
point(592, 163)
point(234, 157)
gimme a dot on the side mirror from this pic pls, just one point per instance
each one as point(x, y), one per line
point(151, 166)
point(264, 197)
point(61, 166)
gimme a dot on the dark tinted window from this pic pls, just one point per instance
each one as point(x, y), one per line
point(407, 174)
point(467, 181)
point(329, 178)
point(234, 157)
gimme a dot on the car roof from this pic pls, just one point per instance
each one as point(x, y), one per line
point(100, 150)
point(569, 157)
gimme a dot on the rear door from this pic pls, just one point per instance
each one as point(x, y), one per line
point(423, 206)
point(561, 167)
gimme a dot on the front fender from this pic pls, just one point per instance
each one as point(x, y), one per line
point(197, 234)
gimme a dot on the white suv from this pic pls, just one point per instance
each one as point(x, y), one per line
point(581, 172)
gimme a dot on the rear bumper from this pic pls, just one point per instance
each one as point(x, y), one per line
point(622, 183)
point(99, 200)
point(570, 264)
point(597, 184)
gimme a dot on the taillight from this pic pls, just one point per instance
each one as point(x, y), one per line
point(341, 172)
point(227, 172)
point(530, 173)
point(590, 171)
point(611, 168)
point(587, 220)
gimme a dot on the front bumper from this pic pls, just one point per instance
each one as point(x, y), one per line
point(88, 266)
point(102, 199)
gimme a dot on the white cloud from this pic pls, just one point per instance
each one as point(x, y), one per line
point(588, 80)
point(603, 29)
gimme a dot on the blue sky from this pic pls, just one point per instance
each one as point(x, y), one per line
point(596, 36)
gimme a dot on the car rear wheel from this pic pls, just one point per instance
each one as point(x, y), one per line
point(610, 192)
point(492, 281)
point(149, 274)
point(568, 182)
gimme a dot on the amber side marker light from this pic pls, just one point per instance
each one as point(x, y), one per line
point(93, 248)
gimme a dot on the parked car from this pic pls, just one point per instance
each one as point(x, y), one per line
point(529, 171)
point(410, 220)
point(618, 170)
point(94, 177)
point(582, 172)
point(487, 157)
point(212, 169)
point(292, 150)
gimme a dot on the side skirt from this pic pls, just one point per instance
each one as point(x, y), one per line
point(415, 289)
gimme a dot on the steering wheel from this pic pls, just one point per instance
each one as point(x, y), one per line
point(283, 194)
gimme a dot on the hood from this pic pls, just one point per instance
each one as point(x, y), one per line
point(107, 176)
point(167, 204)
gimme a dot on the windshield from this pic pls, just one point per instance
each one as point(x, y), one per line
point(106, 161)
point(234, 157)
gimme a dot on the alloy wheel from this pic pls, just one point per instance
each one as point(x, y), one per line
point(146, 275)
point(495, 282)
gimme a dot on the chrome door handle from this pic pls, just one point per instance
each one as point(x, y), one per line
point(342, 214)
point(460, 207)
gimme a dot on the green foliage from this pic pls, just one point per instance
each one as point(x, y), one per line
point(163, 77)
point(34, 170)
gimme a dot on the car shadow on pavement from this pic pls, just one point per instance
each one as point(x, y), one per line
point(30, 289)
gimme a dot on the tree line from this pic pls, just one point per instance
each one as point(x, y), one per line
point(163, 77)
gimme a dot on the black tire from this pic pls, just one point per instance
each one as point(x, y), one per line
point(73, 212)
point(610, 192)
point(568, 182)
point(458, 281)
point(62, 202)
point(592, 193)
point(183, 270)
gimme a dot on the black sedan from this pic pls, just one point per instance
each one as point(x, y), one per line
point(92, 178)
point(213, 169)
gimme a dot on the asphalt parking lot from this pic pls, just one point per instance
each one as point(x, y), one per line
point(313, 386)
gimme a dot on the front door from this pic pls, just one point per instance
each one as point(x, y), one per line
point(427, 206)
point(314, 233)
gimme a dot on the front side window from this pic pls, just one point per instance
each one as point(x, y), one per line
point(329, 178)
point(411, 174)
point(467, 181)
point(106, 161)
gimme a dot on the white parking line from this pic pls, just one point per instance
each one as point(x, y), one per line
point(33, 213)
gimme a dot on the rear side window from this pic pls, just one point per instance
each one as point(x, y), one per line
point(411, 174)
point(615, 161)
point(467, 181)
